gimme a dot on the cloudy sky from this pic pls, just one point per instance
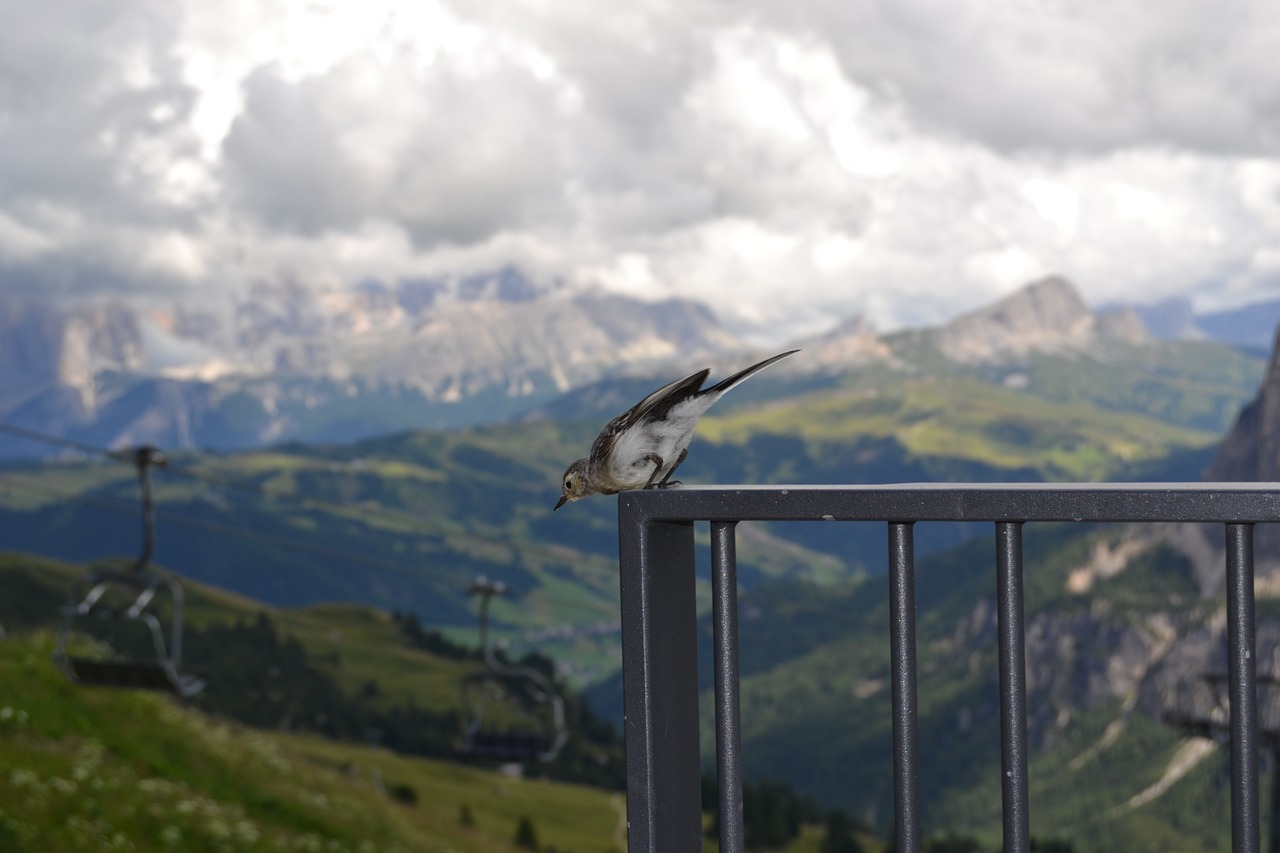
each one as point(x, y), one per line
point(791, 162)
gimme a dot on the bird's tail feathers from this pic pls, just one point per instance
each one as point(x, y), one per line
point(726, 384)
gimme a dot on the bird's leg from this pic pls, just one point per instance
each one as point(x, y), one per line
point(667, 481)
point(657, 466)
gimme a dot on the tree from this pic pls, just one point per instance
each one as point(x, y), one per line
point(526, 836)
point(951, 843)
point(840, 837)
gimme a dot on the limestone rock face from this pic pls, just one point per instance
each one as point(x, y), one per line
point(1046, 316)
point(43, 347)
point(293, 360)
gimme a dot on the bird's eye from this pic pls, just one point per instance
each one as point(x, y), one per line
point(568, 484)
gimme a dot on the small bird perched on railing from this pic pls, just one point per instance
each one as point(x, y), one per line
point(641, 448)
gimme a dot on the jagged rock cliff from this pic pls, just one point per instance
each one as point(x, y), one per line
point(1251, 450)
point(43, 346)
point(1251, 453)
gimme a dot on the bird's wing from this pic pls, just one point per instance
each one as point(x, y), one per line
point(656, 405)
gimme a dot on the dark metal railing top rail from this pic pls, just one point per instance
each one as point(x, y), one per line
point(659, 632)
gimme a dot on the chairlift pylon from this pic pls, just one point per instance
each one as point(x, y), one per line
point(88, 599)
point(520, 687)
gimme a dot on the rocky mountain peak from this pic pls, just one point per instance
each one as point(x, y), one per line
point(1124, 324)
point(1172, 319)
point(853, 341)
point(1045, 316)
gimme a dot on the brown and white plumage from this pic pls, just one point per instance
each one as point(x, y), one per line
point(642, 447)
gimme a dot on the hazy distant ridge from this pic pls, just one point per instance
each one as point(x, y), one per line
point(295, 363)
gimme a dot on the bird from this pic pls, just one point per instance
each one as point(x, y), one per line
point(642, 447)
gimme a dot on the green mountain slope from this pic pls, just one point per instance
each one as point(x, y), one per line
point(90, 769)
point(950, 426)
point(345, 671)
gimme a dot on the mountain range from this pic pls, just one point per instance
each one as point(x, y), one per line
point(1036, 387)
point(291, 363)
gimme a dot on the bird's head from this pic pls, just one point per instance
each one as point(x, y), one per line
point(575, 484)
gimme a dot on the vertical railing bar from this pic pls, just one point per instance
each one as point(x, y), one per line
point(1273, 829)
point(657, 588)
point(1013, 687)
point(724, 607)
point(906, 727)
point(1242, 673)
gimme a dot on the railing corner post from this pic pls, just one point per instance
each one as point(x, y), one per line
point(659, 680)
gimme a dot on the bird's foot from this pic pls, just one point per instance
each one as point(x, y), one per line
point(657, 469)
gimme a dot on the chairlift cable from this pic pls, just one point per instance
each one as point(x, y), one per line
point(302, 500)
point(270, 540)
point(56, 441)
point(266, 539)
point(251, 487)
point(236, 483)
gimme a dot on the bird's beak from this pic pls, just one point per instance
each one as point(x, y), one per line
point(564, 499)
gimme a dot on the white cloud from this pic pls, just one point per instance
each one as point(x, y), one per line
point(790, 163)
point(1042, 74)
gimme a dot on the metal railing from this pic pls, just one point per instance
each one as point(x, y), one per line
point(659, 633)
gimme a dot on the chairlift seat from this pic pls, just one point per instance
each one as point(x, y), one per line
point(507, 746)
point(133, 674)
point(531, 686)
point(159, 673)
